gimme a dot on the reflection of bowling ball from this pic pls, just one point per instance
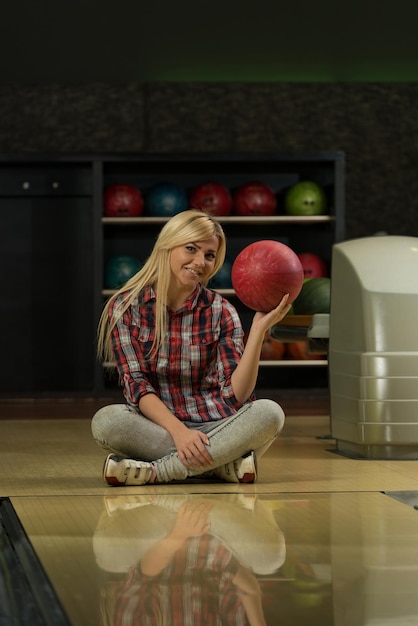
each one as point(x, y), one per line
point(313, 265)
point(222, 278)
point(119, 269)
point(264, 272)
point(122, 200)
point(165, 200)
point(212, 198)
point(305, 198)
point(254, 199)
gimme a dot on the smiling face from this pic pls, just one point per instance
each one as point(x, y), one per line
point(192, 263)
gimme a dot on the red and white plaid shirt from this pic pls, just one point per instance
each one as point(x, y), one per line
point(191, 373)
point(196, 587)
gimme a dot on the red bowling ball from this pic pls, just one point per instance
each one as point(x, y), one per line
point(264, 272)
point(254, 198)
point(212, 198)
point(313, 265)
point(122, 200)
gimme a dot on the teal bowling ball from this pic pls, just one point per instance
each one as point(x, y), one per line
point(165, 200)
point(119, 269)
point(222, 278)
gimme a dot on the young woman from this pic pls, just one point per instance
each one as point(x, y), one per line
point(188, 381)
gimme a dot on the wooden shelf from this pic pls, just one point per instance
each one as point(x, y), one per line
point(278, 363)
point(233, 219)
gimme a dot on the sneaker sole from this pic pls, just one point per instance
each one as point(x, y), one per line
point(248, 478)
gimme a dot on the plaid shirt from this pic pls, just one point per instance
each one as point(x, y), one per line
point(191, 373)
point(195, 588)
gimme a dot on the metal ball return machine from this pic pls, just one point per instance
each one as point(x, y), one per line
point(372, 346)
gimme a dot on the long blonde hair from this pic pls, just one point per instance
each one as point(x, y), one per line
point(183, 228)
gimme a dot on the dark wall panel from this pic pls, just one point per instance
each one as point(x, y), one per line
point(46, 295)
point(62, 294)
point(16, 294)
point(83, 118)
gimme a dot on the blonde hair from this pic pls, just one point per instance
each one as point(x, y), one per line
point(183, 228)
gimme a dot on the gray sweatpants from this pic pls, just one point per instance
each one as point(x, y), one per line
point(119, 428)
point(249, 531)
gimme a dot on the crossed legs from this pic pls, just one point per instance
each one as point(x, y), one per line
point(120, 429)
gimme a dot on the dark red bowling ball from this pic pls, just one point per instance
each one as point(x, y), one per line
point(211, 197)
point(254, 198)
point(123, 200)
point(264, 272)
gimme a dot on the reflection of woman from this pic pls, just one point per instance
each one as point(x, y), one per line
point(187, 560)
point(188, 380)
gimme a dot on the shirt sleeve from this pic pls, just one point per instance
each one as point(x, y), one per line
point(130, 358)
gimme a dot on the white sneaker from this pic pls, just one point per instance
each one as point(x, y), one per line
point(115, 503)
point(243, 470)
point(119, 471)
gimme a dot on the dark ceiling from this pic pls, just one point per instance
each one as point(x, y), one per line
point(60, 41)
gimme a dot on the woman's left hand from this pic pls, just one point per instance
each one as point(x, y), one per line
point(264, 321)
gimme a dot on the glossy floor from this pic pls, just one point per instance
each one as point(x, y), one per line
point(316, 541)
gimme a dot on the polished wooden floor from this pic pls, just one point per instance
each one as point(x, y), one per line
point(320, 539)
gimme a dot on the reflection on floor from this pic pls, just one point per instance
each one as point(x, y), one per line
point(316, 541)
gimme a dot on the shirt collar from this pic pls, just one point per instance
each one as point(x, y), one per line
point(190, 304)
point(148, 294)
point(192, 300)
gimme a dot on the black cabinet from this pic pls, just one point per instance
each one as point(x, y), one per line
point(46, 279)
point(55, 242)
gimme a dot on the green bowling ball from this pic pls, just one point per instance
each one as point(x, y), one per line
point(305, 198)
